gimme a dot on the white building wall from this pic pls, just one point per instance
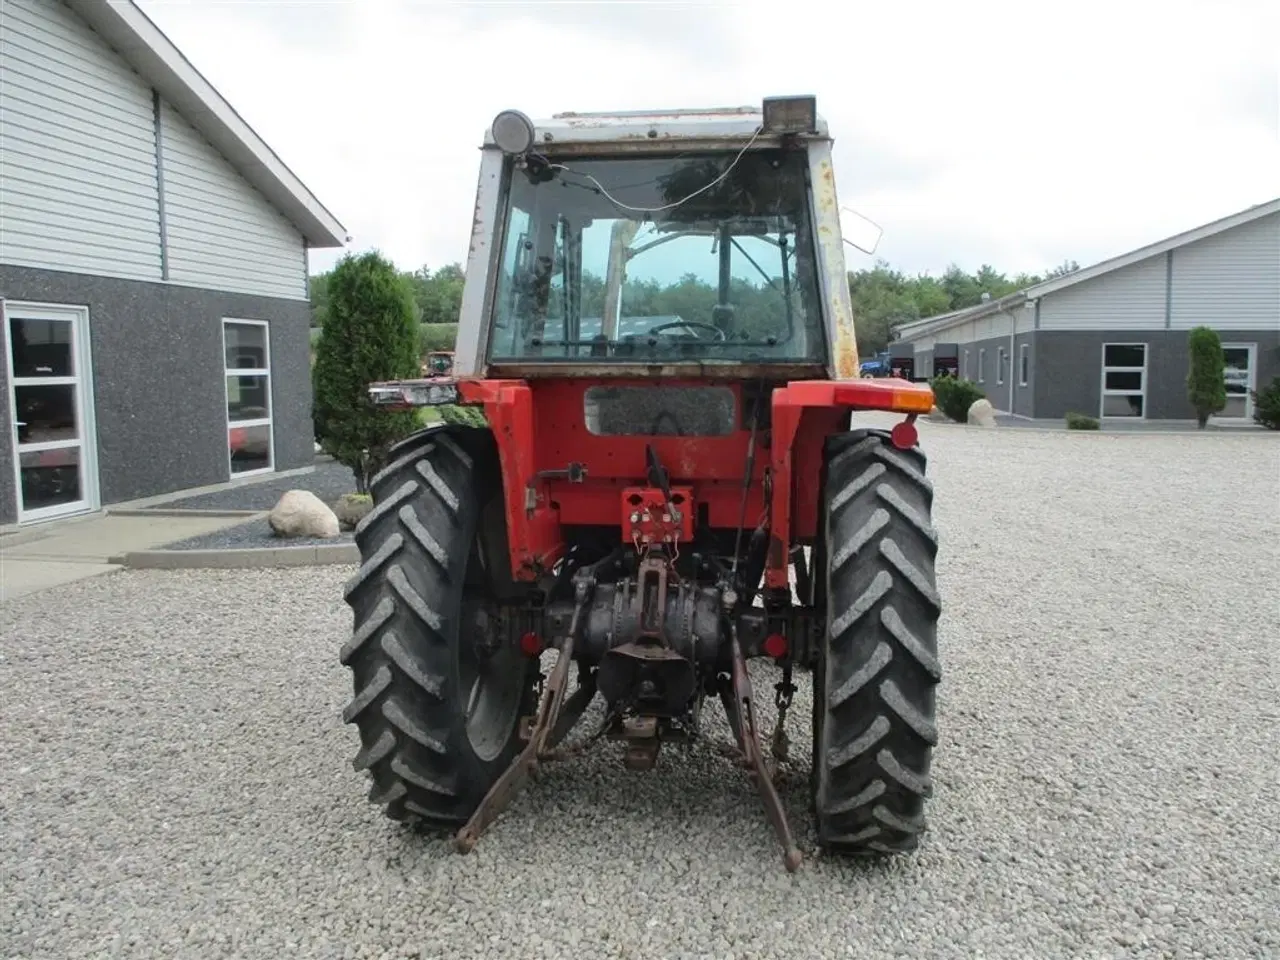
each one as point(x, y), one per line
point(78, 183)
point(1230, 281)
point(1022, 319)
point(221, 232)
point(80, 186)
point(1131, 298)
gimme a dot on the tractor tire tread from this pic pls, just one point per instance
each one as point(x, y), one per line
point(406, 598)
point(875, 728)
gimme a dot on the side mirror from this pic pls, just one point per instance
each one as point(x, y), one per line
point(858, 231)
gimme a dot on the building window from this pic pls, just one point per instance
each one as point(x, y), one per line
point(964, 370)
point(1241, 375)
point(1124, 380)
point(1001, 359)
point(1024, 364)
point(982, 366)
point(246, 348)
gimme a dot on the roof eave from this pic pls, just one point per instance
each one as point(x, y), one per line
point(157, 60)
point(932, 325)
point(1202, 232)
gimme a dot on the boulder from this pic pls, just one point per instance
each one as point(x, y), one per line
point(350, 509)
point(982, 413)
point(300, 513)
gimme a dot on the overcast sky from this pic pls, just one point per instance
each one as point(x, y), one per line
point(1012, 133)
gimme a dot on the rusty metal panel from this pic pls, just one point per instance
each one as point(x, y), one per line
point(834, 276)
point(486, 241)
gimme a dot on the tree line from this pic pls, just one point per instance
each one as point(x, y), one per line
point(883, 298)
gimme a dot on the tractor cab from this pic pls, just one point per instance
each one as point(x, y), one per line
point(700, 237)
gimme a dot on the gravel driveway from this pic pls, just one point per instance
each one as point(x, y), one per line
point(175, 780)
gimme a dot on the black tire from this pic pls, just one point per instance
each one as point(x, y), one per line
point(874, 726)
point(412, 653)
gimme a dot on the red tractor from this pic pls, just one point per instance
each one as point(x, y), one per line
point(665, 482)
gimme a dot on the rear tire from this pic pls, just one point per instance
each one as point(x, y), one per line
point(413, 653)
point(874, 679)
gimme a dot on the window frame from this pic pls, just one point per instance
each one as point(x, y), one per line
point(1103, 392)
point(81, 379)
point(1251, 349)
point(982, 365)
point(269, 420)
point(539, 364)
point(1001, 356)
point(1024, 364)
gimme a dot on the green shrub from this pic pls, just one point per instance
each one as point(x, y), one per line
point(368, 335)
point(954, 396)
point(1266, 405)
point(1081, 421)
point(1206, 374)
point(463, 416)
point(437, 336)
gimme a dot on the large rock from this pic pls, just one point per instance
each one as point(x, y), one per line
point(982, 413)
point(300, 513)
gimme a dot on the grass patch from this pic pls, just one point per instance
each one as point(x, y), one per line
point(1080, 421)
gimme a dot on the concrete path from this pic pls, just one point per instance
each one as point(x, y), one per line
point(37, 558)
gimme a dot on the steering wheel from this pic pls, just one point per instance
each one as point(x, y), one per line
point(720, 334)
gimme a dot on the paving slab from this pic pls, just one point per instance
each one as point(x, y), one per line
point(19, 578)
point(242, 557)
point(36, 559)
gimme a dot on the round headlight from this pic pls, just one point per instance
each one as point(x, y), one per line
point(512, 132)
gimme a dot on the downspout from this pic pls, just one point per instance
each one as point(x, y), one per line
point(1013, 340)
point(1013, 333)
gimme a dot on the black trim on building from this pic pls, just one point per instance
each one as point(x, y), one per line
point(164, 229)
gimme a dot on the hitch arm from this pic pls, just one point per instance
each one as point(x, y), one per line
point(742, 720)
point(513, 779)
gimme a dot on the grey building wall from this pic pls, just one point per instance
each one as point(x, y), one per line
point(158, 380)
point(1024, 395)
point(981, 369)
point(924, 364)
point(1068, 369)
point(8, 489)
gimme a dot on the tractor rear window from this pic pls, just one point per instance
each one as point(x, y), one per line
point(660, 411)
point(728, 274)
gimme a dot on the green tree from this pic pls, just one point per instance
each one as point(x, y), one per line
point(882, 299)
point(318, 294)
point(368, 335)
point(438, 295)
point(1206, 375)
point(963, 289)
point(1266, 405)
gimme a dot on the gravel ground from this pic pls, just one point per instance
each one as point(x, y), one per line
point(328, 481)
point(176, 782)
point(1135, 426)
point(255, 533)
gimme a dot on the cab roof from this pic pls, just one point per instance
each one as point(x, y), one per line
point(712, 123)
